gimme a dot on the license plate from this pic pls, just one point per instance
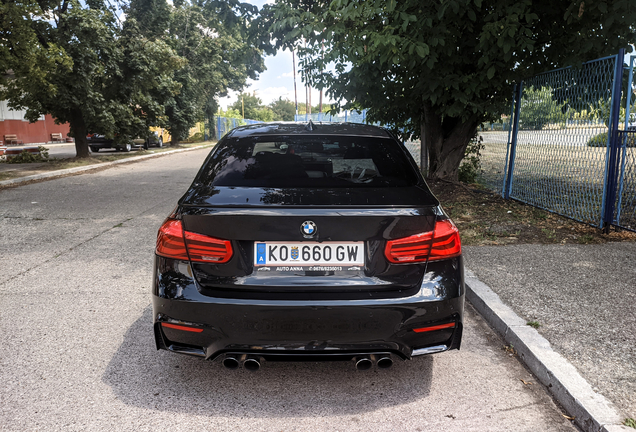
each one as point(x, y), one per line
point(308, 254)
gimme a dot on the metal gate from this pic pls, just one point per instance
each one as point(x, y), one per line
point(572, 147)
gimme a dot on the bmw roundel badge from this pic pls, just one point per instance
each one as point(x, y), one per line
point(308, 229)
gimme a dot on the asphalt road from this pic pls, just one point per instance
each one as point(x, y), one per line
point(78, 351)
point(64, 151)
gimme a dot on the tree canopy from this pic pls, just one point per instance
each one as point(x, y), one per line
point(164, 65)
point(438, 69)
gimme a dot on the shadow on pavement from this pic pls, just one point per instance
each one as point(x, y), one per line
point(158, 380)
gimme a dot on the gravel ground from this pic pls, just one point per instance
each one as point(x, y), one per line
point(583, 297)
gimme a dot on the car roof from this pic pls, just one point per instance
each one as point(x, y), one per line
point(308, 128)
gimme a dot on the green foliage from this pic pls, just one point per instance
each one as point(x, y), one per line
point(470, 167)
point(247, 104)
point(231, 113)
point(534, 324)
point(27, 157)
point(630, 422)
point(162, 66)
point(438, 69)
point(539, 109)
point(197, 137)
point(221, 48)
point(600, 140)
point(283, 109)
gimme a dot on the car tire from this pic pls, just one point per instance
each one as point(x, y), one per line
point(160, 142)
point(95, 149)
point(146, 144)
point(126, 148)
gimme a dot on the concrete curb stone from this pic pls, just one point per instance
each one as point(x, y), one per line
point(63, 172)
point(591, 411)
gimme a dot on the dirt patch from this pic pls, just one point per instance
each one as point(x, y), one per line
point(485, 218)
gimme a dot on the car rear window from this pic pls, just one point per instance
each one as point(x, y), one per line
point(300, 161)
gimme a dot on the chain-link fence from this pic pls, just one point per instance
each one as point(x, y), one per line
point(562, 139)
point(625, 213)
point(345, 116)
point(564, 152)
point(224, 125)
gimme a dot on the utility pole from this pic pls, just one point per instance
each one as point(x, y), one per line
point(295, 92)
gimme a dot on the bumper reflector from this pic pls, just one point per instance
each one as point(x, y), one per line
point(432, 328)
point(180, 327)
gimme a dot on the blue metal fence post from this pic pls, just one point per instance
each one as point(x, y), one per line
point(512, 113)
point(218, 128)
point(624, 144)
point(345, 116)
point(513, 144)
point(611, 173)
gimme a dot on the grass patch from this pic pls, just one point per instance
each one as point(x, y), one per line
point(630, 422)
point(485, 218)
point(534, 324)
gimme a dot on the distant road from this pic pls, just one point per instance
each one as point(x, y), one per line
point(63, 151)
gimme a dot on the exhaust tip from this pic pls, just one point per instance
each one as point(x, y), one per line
point(385, 362)
point(230, 363)
point(363, 363)
point(251, 364)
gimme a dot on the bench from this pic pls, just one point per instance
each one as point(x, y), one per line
point(12, 140)
point(11, 152)
point(57, 137)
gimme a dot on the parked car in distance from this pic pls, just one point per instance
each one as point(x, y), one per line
point(96, 142)
point(303, 241)
point(153, 140)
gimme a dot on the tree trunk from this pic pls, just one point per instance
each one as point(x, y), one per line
point(79, 131)
point(445, 139)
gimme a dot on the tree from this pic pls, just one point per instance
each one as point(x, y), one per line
point(248, 105)
point(88, 73)
point(283, 109)
point(221, 50)
point(539, 108)
point(438, 69)
point(75, 91)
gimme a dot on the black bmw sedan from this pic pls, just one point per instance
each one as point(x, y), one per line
point(303, 241)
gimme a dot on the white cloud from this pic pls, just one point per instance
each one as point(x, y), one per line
point(286, 75)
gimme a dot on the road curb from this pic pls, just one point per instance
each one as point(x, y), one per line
point(591, 411)
point(78, 170)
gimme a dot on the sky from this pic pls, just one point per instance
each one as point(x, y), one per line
point(277, 80)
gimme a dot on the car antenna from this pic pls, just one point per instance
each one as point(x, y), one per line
point(310, 125)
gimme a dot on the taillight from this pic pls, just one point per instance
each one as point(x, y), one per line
point(441, 243)
point(173, 242)
point(170, 242)
point(203, 248)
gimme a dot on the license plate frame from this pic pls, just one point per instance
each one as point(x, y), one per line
point(333, 253)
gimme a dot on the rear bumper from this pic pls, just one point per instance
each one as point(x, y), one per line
point(299, 330)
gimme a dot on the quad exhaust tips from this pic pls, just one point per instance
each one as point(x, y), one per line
point(250, 363)
point(385, 362)
point(253, 363)
point(364, 363)
point(231, 362)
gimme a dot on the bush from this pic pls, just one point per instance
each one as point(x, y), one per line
point(470, 167)
point(26, 157)
point(600, 140)
point(197, 137)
